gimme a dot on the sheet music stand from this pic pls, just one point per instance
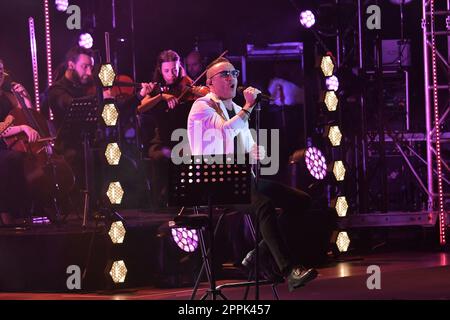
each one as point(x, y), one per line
point(82, 119)
point(210, 180)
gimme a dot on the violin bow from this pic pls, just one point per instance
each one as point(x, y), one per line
point(199, 77)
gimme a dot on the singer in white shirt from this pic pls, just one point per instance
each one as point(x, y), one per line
point(213, 123)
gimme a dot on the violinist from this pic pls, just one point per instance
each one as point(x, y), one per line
point(160, 113)
point(77, 81)
point(14, 197)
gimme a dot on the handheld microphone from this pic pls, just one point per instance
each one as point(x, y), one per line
point(261, 97)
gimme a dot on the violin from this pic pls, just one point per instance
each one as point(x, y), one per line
point(189, 91)
point(185, 91)
point(124, 87)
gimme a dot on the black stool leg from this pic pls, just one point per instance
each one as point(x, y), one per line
point(206, 265)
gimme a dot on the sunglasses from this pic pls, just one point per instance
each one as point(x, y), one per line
point(226, 74)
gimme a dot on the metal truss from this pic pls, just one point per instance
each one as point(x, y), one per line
point(435, 25)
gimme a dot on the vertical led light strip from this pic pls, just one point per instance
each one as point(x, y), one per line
point(34, 62)
point(442, 218)
point(48, 48)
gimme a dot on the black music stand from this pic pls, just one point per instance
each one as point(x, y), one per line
point(81, 120)
point(209, 180)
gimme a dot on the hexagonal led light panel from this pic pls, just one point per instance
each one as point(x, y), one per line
point(115, 193)
point(118, 271)
point(107, 75)
point(335, 136)
point(117, 232)
point(331, 101)
point(341, 206)
point(113, 154)
point(110, 114)
point(339, 170)
point(343, 241)
point(327, 66)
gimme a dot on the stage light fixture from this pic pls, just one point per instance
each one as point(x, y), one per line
point(85, 40)
point(316, 163)
point(331, 100)
point(339, 170)
point(117, 232)
point(115, 193)
point(340, 205)
point(61, 5)
point(186, 239)
point(327, 66)
point(343, 241)
point(113, 154)
point(332, 83)
point(107, 75)
point(307, 19)
point(110, 114)
point(334, 135)
point(118, 271)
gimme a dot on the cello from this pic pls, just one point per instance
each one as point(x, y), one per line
point(49, 177)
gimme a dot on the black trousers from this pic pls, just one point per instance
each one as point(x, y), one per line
point(268, 196)
point(14, 195)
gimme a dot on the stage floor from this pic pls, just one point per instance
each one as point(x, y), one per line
point(404, 275)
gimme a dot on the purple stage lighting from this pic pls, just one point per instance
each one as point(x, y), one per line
point(61, 5)
point(307, 19)
point(332, 83)
point(86, 41)
point(316, 163)
point(186, 240)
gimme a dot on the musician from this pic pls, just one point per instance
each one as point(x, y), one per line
point(218, 111)
point(160, 113)
point(14, 198)
point(194, 64)
point(76, 81)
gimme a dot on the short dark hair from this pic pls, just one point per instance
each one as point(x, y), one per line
point(217, 61)
point(74, 53)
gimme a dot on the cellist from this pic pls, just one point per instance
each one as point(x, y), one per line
point(14, 196)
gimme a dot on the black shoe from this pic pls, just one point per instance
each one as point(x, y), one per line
point(267, 267)
point(300, 276)
point(249, 260)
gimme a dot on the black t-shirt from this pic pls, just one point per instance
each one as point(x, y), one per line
point(158, 123)
point(61, 95)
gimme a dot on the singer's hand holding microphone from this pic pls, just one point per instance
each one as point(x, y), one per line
point(253, 95)
point(250, 96)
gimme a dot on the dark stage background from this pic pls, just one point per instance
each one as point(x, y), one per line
point(179, 25)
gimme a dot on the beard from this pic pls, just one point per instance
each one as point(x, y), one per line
point(86, 81)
